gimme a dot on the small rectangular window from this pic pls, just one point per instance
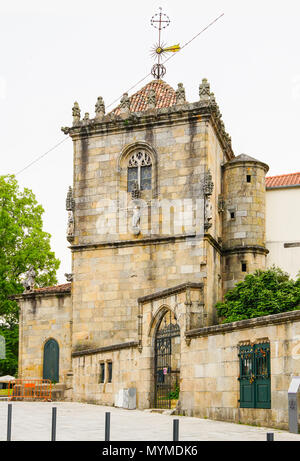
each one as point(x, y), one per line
point(102, 372)
point(109, 365)
point(248, 178)
point(244, 267)
point(232, 214)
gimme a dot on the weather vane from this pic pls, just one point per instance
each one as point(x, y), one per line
point(161, 21)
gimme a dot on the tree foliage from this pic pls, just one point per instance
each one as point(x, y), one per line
point(262, 293)
point(23, 243)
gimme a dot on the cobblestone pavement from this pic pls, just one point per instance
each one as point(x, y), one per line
point(85, 422)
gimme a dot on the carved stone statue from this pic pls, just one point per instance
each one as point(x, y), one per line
point(136, 218)
point(76, 113)
point(100, 107)
point(180, 94)
point(70, 228)
point(208, 209)
point(204, 90)
point(125, 104)
point(86, 118)
point(208, 186)
point(151, 100)
point(29, 281)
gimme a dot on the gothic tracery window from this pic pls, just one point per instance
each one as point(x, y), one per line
point(139, 171)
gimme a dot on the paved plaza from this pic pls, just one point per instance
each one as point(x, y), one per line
point(85, 422)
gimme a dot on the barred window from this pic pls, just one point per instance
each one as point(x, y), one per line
point(139, 171)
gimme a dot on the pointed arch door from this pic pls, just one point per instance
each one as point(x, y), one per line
point(167, 361)
point(51, 360)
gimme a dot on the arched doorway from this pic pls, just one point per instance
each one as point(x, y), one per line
point(167, 361)
point(51, 360)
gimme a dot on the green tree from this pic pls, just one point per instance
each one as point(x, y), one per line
point(262, 293)
point(23, 243)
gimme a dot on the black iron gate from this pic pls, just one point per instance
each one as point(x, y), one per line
point(167, 361)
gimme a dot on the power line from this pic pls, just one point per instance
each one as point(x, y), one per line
point(116, 100)
point(170, 57)
point(41, 156)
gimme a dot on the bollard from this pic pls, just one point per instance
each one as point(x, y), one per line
point(9, 410)
point(53, 429)
point(175, 430)
point(107, 427)
point(270, 436)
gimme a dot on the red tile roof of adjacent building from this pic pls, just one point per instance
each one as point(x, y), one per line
point(56, 289)
point(283, 180)
point(165, 97)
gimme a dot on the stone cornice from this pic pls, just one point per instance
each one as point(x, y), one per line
point(266, 320)
point(183, 113)
point(168, 239)
point(127, 243)
point(169, 292)
point(99, 350)
point(245, 249)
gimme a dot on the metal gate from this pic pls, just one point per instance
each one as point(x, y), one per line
point(167, 361)
point(255, 376)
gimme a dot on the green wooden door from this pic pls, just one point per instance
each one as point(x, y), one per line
point(246, 376)
point(262, 375)
point(255, 378)
point(51, 361)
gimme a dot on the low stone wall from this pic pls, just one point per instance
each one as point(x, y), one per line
point(210, 369)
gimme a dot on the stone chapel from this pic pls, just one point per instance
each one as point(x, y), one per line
point(163, 219)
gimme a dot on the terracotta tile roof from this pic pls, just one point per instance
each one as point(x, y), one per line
point(165, 97)
point(54, 289)
point(284, 180)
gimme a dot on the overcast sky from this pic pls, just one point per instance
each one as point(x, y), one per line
point(55, 52)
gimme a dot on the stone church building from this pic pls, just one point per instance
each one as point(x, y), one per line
point(163, 219)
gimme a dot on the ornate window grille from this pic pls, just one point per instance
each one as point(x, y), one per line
point(139, 171)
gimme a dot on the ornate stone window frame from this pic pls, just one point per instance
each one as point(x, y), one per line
point(123, 162)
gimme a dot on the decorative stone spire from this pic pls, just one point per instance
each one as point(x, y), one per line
point(76, 113)
point(70, 202)
point(100, 108)
point(208, 184)
point(151, 99)
point(204, 90)
point(125, 104)
point(180, 94)
point(86, 118)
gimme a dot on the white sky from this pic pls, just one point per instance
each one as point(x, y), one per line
point(55, 52)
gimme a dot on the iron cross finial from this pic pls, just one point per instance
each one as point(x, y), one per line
point(160, 21)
